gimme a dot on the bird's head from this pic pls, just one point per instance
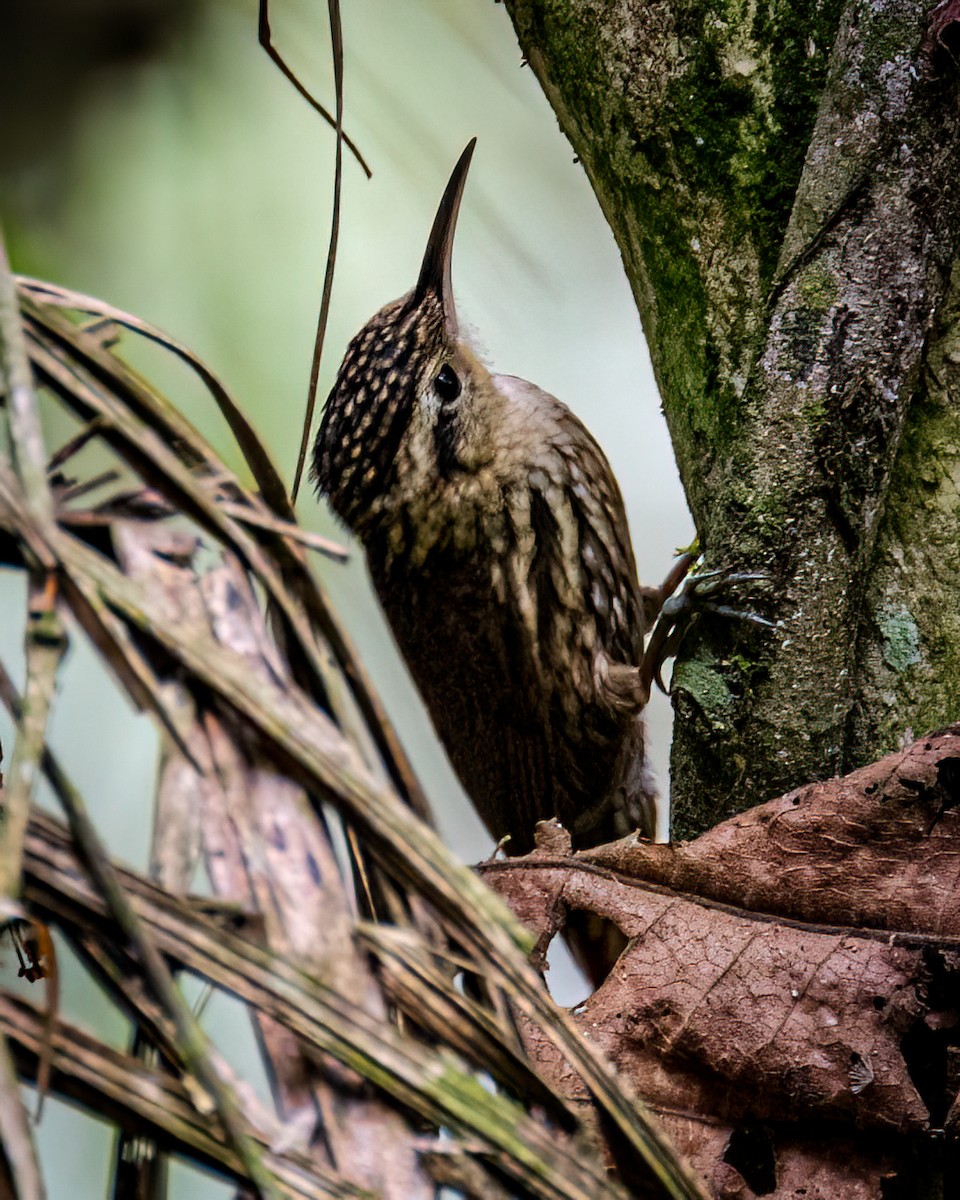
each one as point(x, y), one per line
point(412, 406)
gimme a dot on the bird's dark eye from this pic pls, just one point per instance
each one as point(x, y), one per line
point(447, 384)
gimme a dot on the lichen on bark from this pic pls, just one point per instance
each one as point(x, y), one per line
point(909, 658)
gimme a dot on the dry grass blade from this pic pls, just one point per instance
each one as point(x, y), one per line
point(155, 1104)
point(424, 993)
point(16, 386)
point(20, 1174)
point(45, 645)
point(105, 632)
point(161, 461)
point(313, 541)
point(73, 445)
point(191, 1041)
point(18, 1147)
point(167, 453)
point(266, 41)
point(336, 38)
point(428, 1081)
point(259, 462)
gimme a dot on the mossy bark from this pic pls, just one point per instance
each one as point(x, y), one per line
point(909, 658)
point(783, 183)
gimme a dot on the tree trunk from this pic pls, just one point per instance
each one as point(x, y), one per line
point(783, 183)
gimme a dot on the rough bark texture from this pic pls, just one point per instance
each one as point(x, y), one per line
point(910, 657)
point(782, 181)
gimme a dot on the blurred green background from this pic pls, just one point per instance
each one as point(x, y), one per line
point(152, 155)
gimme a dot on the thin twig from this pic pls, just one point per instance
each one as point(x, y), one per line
point(579, 863)
point(313, 541)
point(266, 41)
point(15, 1135)
point(45, 645)
point(336, 38)
point(78, 490)
point(75, 444)
point(16, 384)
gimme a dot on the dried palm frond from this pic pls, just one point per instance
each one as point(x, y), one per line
point(343, 922)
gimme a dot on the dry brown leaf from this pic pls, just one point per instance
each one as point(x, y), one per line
point(879, 847)
point(795, 969)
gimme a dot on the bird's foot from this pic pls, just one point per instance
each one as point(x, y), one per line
point(701, 592)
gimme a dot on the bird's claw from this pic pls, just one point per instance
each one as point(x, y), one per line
point(739, 614)
point(699, 594)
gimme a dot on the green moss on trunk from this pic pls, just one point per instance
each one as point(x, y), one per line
point(692, 121)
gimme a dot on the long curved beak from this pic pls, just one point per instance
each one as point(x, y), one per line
point(435, 275)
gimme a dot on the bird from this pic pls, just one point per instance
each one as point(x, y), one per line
point(498, 545)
